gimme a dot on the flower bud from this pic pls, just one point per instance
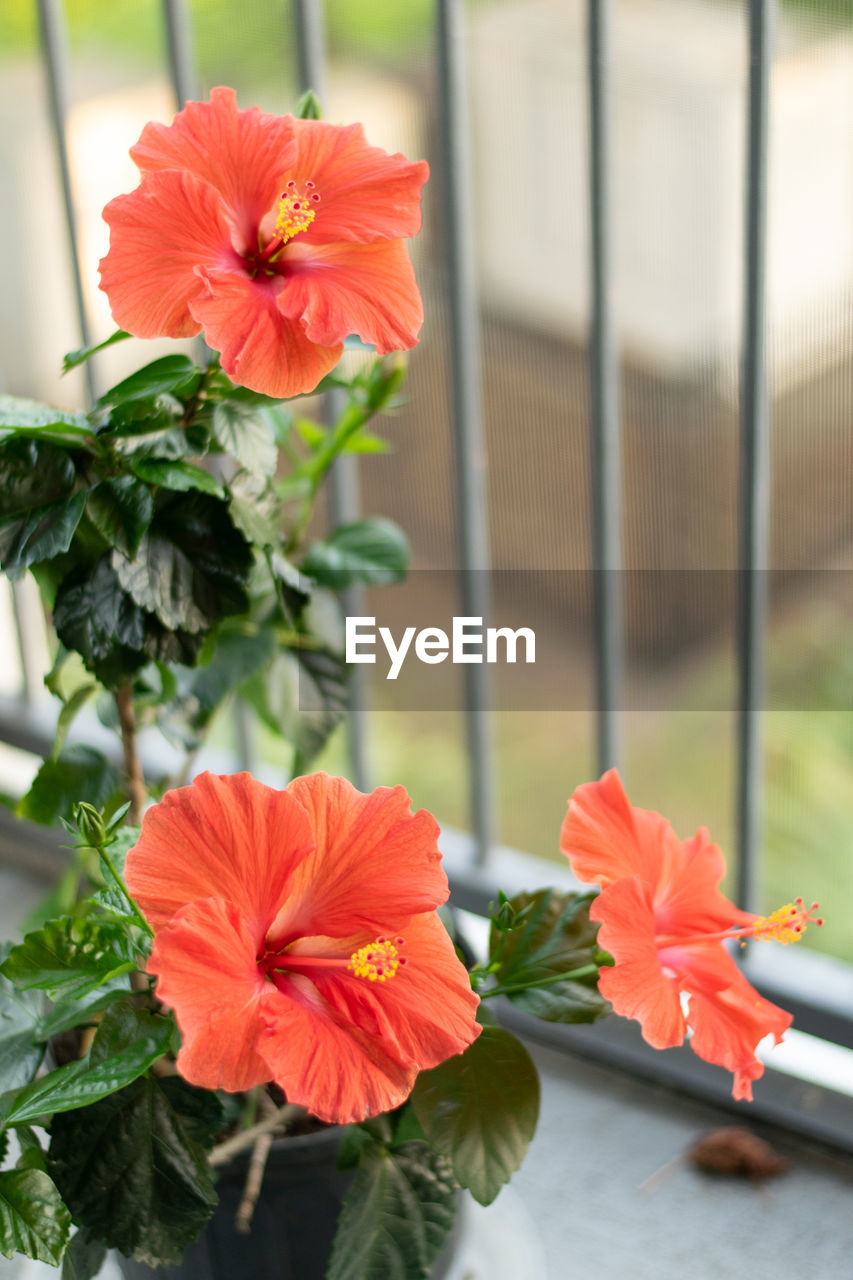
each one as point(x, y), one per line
point(90, 824)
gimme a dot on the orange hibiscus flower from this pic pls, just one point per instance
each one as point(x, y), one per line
point(665, 922)
point(278, 237)
point(296, 939)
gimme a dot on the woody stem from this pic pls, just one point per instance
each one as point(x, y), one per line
point(134, 779)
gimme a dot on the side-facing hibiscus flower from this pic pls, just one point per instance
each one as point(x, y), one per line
point(296, 939)
point(278, 237)
point(665, 922)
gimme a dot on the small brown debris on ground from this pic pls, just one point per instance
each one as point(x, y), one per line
point(734, 1152)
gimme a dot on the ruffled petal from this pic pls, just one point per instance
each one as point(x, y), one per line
point(690, 901)
point(637, 986)
point(335, 290)
point(728, 1027)
point(365, 193)
point(159, 234)
point(243, 154)
point(206, 972)
point(605, 839)
point(426, 1012)
point(225, 837)
point(259, 346)
point(340, 1072)
point(374, 862)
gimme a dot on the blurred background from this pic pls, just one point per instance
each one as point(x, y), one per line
point(678, 84)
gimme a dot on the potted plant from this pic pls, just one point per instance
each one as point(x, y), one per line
point(240, 1002)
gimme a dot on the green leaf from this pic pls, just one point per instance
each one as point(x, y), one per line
point(33, 474)
point(96, 618)
point(178, 475)
point(396, 1215)
point(20, 1054)
point(301, 696)
point(83, 1258)
point(131, 1170)
point(78, 773)
point(480, 1110)
point(74, 358)
point(23, 417)
point(68, 1014)
point(40, 534)
point(127, 1042)
point(121, 510)
point(246, 435)
point(69, 958)
point(33, 1219)
point(553, 935)
point(67, 714)
point(369, 551)
point(168, 374)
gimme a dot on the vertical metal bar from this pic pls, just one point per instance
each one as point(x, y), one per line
point(605, 460)
point(466, 398)
point(344, 503)
point(754, 513)
point(180, 51)
point(54, 42)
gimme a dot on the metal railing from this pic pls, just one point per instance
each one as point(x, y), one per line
point(474, 869)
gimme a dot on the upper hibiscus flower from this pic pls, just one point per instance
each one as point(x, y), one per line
point(296, 939)
point(665, 922)
point(278, 237)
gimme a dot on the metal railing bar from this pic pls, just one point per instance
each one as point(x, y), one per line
point(466, 403)
point(180, 50)
point(53, 34)
point(344, 495)
point(754, 497)
point(605, 449)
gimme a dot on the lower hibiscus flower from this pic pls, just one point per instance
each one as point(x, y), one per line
point(666, 923)
point(296, 939)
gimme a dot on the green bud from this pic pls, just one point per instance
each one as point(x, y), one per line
point(308, 107)
point(90, 824)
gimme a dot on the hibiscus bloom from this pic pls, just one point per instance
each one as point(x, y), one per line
point(278, 237)
point(665, 922)
point(296, 939)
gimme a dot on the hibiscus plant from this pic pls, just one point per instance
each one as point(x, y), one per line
point(222, 961)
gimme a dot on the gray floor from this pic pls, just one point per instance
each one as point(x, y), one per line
point(601, 1137)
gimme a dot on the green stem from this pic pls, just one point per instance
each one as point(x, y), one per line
point(125, 891)
point(586, 971)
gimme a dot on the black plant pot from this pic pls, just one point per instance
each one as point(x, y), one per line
point(293, 1225)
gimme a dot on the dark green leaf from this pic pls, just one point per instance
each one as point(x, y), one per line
point(246, 435)
point(131, 1171)
point(68, 1014)
point(30, 418)
point(161, 580)
point(69, 958)
point(178, 475)
point(122, 1050)
point(369, 551)
point(84, 1257)
point(121, 510)
point(396, 1215)
point(96, 617)
point(74, 358)
point(301, 696)
point(33, 474)
point(78, 773)
point(33, 1219)
point(39, 534)
point(480, 1110)
point(168, 374)
point(552, 935)
point(20, 1054)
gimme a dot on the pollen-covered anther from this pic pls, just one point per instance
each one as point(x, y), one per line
point(297, 209)
point(786, 924)
point(377, 961)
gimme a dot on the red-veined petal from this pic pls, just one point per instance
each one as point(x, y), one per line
point(206, 972)
point(243, 154)
point(229, 837)
point(728, 1026)
point(259, 346)
point(374, 862)
point(334, 290)
point(637, 986)
point(159, 234)
point(365, 193)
